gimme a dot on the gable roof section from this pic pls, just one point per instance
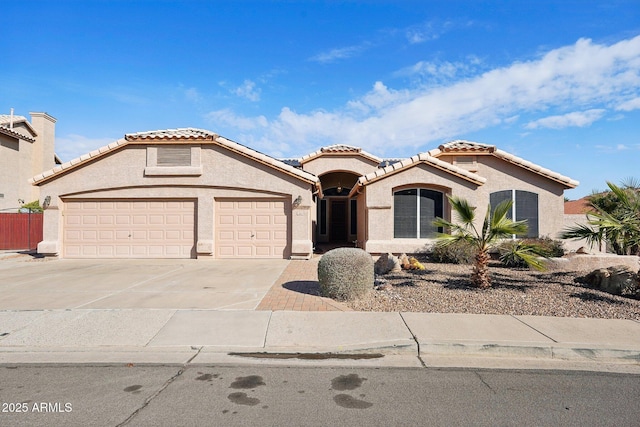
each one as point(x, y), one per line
point(5, 123)
point(469, 147)
point(422, 158)
point(339, 149)
point(175, 136)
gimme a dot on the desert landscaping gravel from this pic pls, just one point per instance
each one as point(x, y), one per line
point(446, 288)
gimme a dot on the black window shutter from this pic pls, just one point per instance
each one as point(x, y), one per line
point(430, 208)
point(405, 217)
point(498, 197)
point(527, 209)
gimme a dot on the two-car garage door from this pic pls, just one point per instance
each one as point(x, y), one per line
point(153, 228)
point(129, 229)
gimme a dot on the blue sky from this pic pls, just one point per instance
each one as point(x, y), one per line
point(554, 82)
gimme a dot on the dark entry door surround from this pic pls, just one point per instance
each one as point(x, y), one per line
point(338, 230)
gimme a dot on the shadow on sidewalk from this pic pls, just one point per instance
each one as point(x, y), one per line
point(308, 287)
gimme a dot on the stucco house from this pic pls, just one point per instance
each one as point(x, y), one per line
point(192, 193)
point(26, 149)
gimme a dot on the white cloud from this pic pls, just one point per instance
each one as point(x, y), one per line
point(617, 148)
point(421, 35)
point(632, 104)
point(583, 76)
point(338, 53)
point(427, 31)
point(192, 94)
point(229, 118)
point(577, 118)
point(71, 146)
point(248, 90)
point(445, 69)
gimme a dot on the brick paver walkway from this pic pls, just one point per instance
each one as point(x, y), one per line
point(297, 289)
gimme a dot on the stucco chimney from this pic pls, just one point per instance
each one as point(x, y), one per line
point(44, 150)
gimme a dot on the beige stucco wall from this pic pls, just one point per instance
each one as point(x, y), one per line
point(570, 220)
point(21, 159)
point(12, 186)
point(121, 174)
point(346, 163)
point(379, 203)
point(500, 175)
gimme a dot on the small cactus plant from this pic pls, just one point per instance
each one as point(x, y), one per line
point(345, 274)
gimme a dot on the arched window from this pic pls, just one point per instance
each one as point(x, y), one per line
point(525, 207)
point(414, 211)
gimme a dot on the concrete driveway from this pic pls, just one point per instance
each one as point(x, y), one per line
point(36, 284)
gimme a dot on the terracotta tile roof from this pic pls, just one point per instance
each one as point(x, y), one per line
point(577, 207)
point(466, 147)
point(5, 120)
point(172, 135)
point(387, 162)
point(421, 158)
point(176, 136)
point(339, 149)
point(462, 146)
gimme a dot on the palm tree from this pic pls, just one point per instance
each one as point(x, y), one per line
point(615, 219)
point(496, 226)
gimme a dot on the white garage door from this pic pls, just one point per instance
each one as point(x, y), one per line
point(129, 229)
point(252, 228)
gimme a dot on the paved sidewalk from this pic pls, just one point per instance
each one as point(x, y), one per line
point(297, 289)
point(381, 339)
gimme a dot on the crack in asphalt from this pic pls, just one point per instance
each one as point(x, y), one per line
point(167, 383)
point(484, 382)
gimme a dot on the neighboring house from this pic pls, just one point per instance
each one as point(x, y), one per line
point(575, 212)
point(192, 193)
point(26, 149)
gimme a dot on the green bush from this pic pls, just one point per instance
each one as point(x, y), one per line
point(527, 252)
point(511, 253)
point(345, 274)
point(460, 252)
point(553, 248)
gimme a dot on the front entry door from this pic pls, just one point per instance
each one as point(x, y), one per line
point(338, 214)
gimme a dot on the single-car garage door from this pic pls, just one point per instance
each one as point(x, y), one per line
point(252, 228)
point(129, 229)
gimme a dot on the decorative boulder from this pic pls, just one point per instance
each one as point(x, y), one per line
point(386, 263)
point(396, 264)
point(345, 274)
point(616, 280)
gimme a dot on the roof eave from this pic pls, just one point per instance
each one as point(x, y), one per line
point(423, 158)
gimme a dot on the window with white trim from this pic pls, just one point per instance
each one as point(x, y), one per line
point(414, 211)
point(525, 207)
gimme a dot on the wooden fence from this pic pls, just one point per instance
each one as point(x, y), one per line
point(20, 230)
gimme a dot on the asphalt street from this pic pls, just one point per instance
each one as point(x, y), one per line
point(206, 395)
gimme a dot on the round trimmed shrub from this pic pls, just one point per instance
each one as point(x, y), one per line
point(345, 274)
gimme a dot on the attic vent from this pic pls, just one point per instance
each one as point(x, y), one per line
point(466, 162)
point(174, 156)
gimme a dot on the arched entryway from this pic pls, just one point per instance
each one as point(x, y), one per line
point(337, 213)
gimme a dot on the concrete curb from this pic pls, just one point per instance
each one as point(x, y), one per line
point(209, 336)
